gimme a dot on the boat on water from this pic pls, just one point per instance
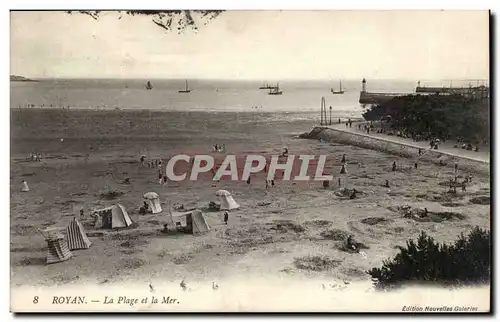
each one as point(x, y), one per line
point(340, 91)
point(149, 86)
point(266, 86)
point(186, 90)
point(275, 90)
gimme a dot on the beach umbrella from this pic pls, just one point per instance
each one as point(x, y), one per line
point(221, 193)
point(150, 195)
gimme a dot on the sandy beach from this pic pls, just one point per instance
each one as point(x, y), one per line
point(101, 148)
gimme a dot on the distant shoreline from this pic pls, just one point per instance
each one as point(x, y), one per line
point(14, 78)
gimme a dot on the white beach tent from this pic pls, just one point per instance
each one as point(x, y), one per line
point(226, 200)
point(24, 186)
point(113, 217)
point(153, 201)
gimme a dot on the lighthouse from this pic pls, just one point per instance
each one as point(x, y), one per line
point(363, 85)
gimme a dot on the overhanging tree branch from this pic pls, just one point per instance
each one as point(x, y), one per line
point(167, 19)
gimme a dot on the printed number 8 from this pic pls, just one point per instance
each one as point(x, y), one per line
point(35, 300)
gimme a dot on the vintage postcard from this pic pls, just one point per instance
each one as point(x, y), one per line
point(250, 161)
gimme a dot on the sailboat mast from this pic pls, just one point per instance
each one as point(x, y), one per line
point(340, 85)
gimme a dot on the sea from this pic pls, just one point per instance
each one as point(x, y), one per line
point(109, 114)
point(299, 97)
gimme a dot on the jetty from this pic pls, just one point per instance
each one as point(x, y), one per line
point(376, 98)
point(480, 91)
point(469, 160)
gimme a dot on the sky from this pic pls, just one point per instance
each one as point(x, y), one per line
point(257, 45)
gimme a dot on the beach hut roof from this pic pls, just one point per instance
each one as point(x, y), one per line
point(221, 193)
point(150, 195)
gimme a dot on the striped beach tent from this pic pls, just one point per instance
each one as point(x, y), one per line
point(76, 236)
point(58, 248)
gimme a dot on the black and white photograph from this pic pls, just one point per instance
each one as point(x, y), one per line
point(250, 161)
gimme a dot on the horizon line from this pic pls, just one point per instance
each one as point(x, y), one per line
point(248, 79)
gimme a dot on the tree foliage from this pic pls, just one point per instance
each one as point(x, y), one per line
point(445, 117)
point(169, 20)
point(465, 262)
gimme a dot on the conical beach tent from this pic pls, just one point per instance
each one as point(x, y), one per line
point(226, 200)
point(193, 219)
point(24, 186)
point(153, 201)
point(76, 236)
point(58, 248)
point(199, 222)
point(113, 217)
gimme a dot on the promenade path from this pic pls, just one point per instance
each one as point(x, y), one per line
point(446, 148)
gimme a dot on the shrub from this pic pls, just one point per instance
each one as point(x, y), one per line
point(465, 262)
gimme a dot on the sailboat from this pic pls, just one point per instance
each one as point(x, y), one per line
point(266, 86)
point(149, 86)
point(275, 90)
point(340, 91)
point(186, 90)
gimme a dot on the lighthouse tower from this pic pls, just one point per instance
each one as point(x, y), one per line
point(363, 85)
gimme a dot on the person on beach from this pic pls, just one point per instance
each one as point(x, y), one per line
point(387, 184)
point(350, 243)
point(343, 170)
point(272, 183)
point(160, 177)
point(394, 166)
point(416, 165)
point(456, 168)
point(142, 160)
point(346, 125)
point(339, 121)
point(343, 159)
point(165, 180)
point(226, 217)
point(339, 182)
point(464, 187)
point(419, 151)
point(248, 180)
point(81, 214)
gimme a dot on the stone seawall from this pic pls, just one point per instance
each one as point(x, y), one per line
point(400, 149)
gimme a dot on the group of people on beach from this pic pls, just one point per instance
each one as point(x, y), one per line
point(29, 105)
point(219, 148)
point(35, 156)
